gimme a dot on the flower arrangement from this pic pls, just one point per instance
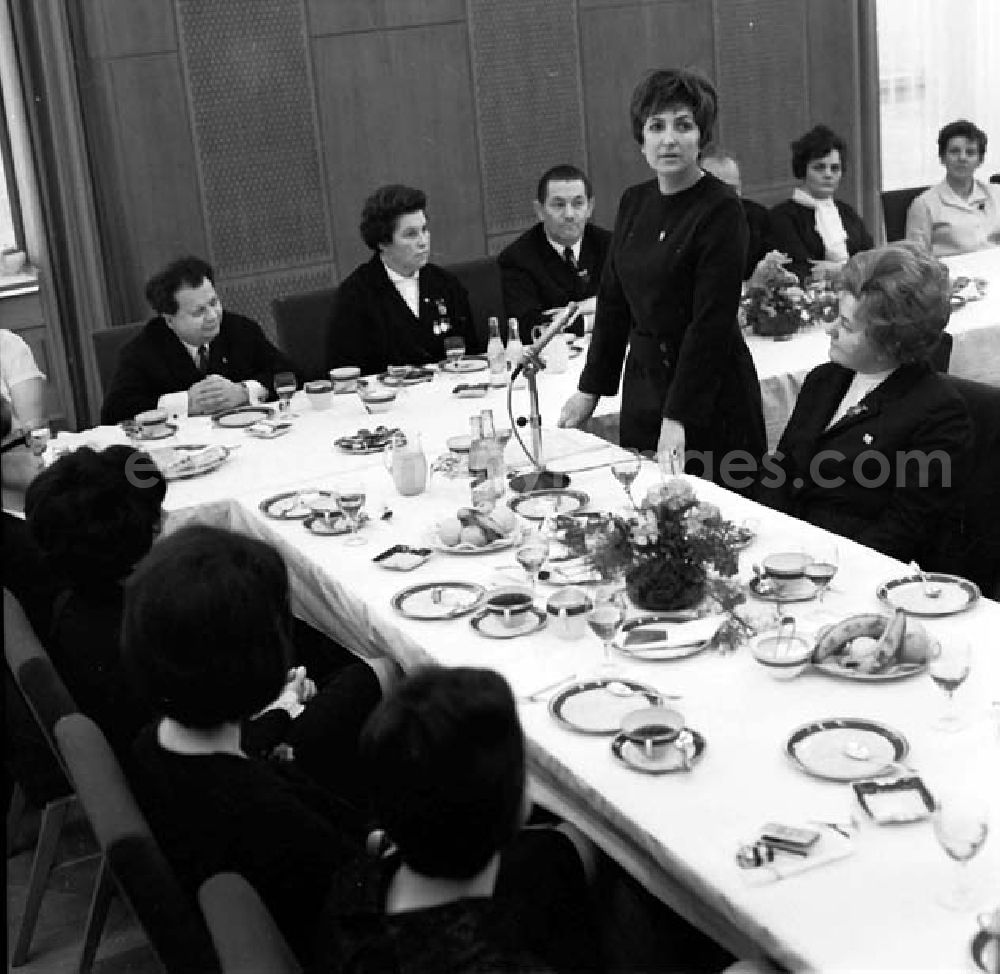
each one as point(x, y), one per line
point(774, 302)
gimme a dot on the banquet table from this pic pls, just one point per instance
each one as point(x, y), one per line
point(782, 365)
point(874, 910)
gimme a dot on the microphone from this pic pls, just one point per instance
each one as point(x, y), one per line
point(559, 324)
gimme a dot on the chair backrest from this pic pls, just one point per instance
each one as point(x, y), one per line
point(941, 355)
point(970, 541)
point(168, 915)
point(481, 278)
point(895, 203)
point(302, 320)
point(108, 343)
point(245, 935)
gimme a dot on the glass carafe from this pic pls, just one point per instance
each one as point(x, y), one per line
point(406, 461)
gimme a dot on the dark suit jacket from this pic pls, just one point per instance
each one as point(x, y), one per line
point(833, 478)
point(759, 222)
point(372, 326)
point(793, 232)
point(535, 277)
point(156, 362)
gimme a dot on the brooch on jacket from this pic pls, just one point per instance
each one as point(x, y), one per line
point(442, 324)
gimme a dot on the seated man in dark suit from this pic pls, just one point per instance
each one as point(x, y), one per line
point(193, 357)
point(560, 259)
point(397, 308)
point(727, 169)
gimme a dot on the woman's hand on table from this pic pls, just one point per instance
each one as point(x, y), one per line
point(577, 410)
point(670, 446)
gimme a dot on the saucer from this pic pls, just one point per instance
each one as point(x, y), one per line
point(781, 590)
point(634, 756)
point(490, 624)
point(168, 430)
point(242, 416)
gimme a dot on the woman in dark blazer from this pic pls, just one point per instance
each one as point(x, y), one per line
point(877, 438)
point(397, 309)
point(818, 232)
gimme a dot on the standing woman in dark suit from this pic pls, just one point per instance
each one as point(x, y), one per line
point(818, 232)
point(670, 294)
point(397, 309)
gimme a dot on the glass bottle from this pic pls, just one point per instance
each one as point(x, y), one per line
point(496, 356)
point(482, 493)
point(494, 455)
point(515, 352)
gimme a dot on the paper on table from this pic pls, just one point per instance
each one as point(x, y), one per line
point(662, 635)
point(830, 847)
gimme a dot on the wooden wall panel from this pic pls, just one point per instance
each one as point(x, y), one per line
point(344, 16)
point(116, 28)
point(619, 44)
point(248, 83)
point(160, 213)
point(527, 84)
point(397, 107)
point(763, 88)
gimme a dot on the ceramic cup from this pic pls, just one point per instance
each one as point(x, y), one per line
point(152, 422)
point(567, 610)
point(783, 656)
point(345, 378)
point(319, 393)
point(653, 729)
point(509, 604)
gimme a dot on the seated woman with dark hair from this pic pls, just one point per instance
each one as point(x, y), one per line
point(95, 515)
point(818, 232)
point(207, 634)
point(877, 437)
point(464, 887)
point(397, 309)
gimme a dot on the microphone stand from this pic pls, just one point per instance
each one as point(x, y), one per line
point(540, 478)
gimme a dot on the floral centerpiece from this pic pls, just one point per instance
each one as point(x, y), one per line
point(775, 303)
point(675, 552)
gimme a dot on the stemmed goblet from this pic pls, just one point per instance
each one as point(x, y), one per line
point(961, 824)
point(948, 665)
point(285, 386)
point(351, 498)
point(625, 471)
point(823, 567)
point(606, 618)
point(532, 555)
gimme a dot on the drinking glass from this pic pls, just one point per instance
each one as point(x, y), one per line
point(285, 386)
point(606, 618)
point(625, 472)
point(38, 442)
point(531, 556)
point(351, 498)
point(823, 567)
point(961, 824)
point(948, 665)
point(454, 350)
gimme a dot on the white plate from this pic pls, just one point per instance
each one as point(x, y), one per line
point(242, 416)
point(189, 459)
point(537, 505)
point(780, 590)
point(846, 748)
point(589, 707)
point(438, 600)
point(490, 624)
point(956, 594)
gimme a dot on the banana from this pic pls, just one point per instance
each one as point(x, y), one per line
point(490, 528)
point(891, 641)
point(832, 639)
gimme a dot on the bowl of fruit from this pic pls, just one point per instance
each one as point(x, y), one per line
point(472, 532)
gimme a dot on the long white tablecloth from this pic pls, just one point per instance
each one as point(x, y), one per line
point(872, 911)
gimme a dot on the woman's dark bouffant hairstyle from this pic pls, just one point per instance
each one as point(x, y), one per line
point(818, 142)
point(185, 271)
point(95, 514)
point(447, 757)
point(674, 86)
point(965, 129)
point(904, 298)
point(206, 630)
point(384, 207)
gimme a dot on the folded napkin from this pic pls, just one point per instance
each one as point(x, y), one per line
point(830, 847)
point(671, 635)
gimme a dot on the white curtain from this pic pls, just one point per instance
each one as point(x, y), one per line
point(939, 60)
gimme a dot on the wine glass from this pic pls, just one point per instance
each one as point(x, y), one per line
point(625, 472)
point(531, 556)
point(823, 567)
point(454, 350)
point(285, 386)
point(961, 824)
point(948, 665)
point(38, 443)
point(606, 618)
point(351, 498)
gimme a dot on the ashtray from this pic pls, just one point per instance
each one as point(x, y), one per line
point(896, 801)
point(402, 558)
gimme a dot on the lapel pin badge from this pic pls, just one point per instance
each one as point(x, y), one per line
point(868, 439)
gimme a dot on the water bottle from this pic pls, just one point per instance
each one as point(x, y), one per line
point(515, 352)
point(496, 355)
point(494, 456)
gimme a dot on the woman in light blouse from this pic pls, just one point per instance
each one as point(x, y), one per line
point(961, 213)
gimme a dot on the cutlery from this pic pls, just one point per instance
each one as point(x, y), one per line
point(537, 695)
point(931, 589)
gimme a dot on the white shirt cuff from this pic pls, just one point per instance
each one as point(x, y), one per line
point(175, 403)
point(255, 390)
